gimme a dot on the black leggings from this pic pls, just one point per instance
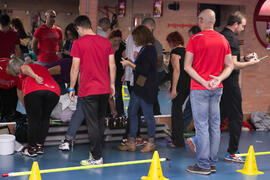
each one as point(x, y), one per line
point(38, 106)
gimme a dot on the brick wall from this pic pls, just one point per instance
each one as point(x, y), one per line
point(254, 80)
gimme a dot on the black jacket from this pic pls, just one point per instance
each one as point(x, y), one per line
point(146, 65)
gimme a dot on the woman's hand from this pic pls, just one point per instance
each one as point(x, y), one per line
point(66, 52)
point(124, 62)
point(173, 94)
point(39, 79)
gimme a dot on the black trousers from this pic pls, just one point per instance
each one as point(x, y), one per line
point(38, 106)
point(177, 120)
point(119, 103)
point(94, 109)
point(231, 108)
point(8, 104)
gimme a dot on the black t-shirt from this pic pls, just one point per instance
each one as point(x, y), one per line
point(67, 46)
point(118, 56)
point(183, 85)
point(23, 48)
point(233, 41)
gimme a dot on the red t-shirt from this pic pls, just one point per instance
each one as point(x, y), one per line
point(8, 41)
point(6, 81)
point(209, 49)
point(93, 51)
point(28, 84)
point(48, 43)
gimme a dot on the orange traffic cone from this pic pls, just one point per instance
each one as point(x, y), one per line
point(35, 174)
point(250, 166)
point(155, 172)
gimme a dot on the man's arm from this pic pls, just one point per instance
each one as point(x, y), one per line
point(27, 70)
point(241, 65)
point(74, 73)
point(191, 71)
point(18, 52)
point(228, 68)
point(112, 68)
point(176, 73)
point(35, 45)
point(55, 70)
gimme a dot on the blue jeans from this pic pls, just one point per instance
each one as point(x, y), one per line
point(75, 123)
point(206, 113)
point(134, 104)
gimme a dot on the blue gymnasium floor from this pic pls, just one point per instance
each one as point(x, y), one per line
point(174, 170)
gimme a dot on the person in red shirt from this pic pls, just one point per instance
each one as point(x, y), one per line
point(39, 94)
point(208, 61)
point(93, 58)
point(10, 42)
point(47, 42)
point(8, 94)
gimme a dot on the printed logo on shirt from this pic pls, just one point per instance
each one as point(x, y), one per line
point(6, 83)
point(52, 35)
point(196, 35)
point(49, 86)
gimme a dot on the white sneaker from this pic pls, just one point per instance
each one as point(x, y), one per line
point(66, 145)
point(91, 161)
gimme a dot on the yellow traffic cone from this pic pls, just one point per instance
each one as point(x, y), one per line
point(155, 172)
point(250, 166)
point(35, 174)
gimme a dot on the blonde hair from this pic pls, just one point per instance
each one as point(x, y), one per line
point(14, 65)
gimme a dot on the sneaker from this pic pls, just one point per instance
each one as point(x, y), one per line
point(123, 141)
point(213, 169)
point(141, 141)
point(170, 144)
point(192, 143)
point(197, 170)
point(66, 145)
point(234, 158)
point(40, 149)
point(92, 161)
point(29, 151)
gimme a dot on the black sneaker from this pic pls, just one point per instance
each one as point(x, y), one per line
point(213, 169)
point(40, 149)
point(197, 170)
point(29, 151)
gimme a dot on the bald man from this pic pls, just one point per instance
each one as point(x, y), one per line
point(208, 61)
point(48, 40)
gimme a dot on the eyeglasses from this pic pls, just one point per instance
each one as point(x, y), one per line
point(52, 16)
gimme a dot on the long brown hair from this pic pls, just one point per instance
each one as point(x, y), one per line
point(143, 36)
